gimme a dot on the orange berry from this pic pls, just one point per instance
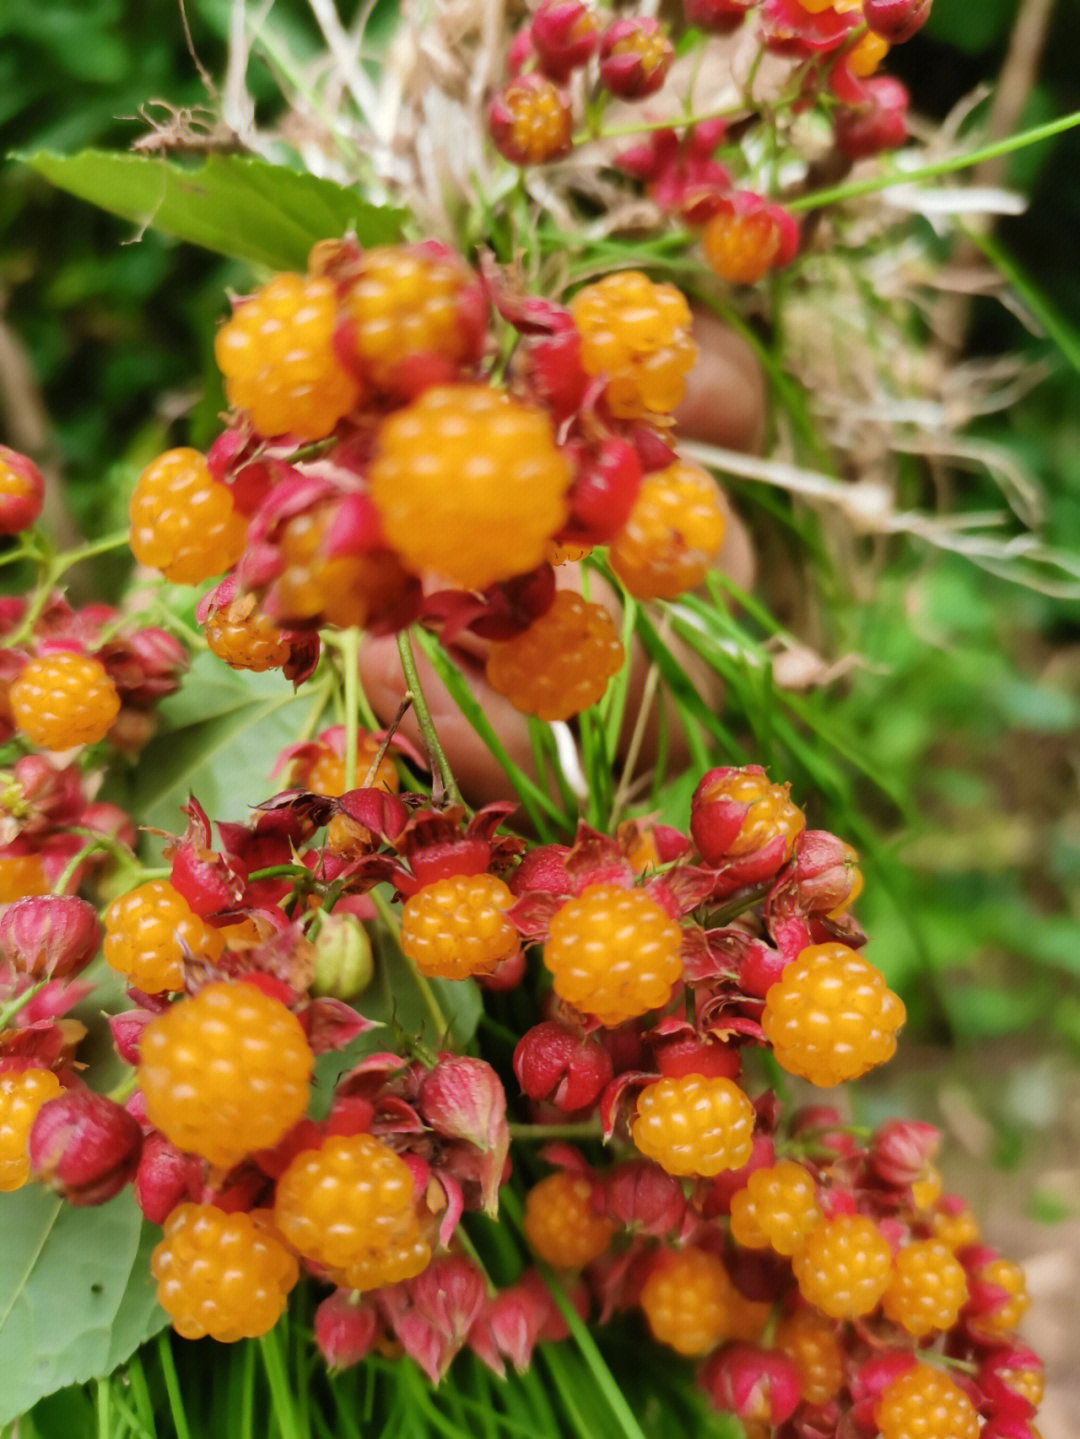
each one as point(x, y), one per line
point(64, 699)
point(924, 1403)
point(22, 1093)
point(637, 334)
point(831, 1017)
point(778, 1208)
point(694, 1124)
point(614, 953)
point(560, 1224)
point(149, 930)
point(456, 927)
point(672, 535)
point(277, 356)
point(927, 1290)
point(811, 1342)
point(844, 1266)
point(183, 522)
point(469, 483)
point(561, 664)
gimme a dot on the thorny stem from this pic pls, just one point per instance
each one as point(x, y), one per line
point(423, 718)
point(393, 924)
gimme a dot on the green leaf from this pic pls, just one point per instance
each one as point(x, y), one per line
point(224, 756)
point(232, 204)
point(76, 1297)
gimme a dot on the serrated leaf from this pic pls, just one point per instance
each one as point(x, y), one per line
point(76, 1297)
point(232, 204)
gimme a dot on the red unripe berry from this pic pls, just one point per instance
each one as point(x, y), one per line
point(48, 936)
point(826, 878)
point(635, 57)
point(902, 1149)
point(22, 491)
point(758, 1385)
point(565, 34)
point(530, 121)
point(746, 236)
point(346, 1330)
point(562, 1066)
point(1009, 1426)
point(85, 1146)
point(736, 813)
point(896, 20)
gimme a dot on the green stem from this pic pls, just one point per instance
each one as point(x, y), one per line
point(588, 1129)
point(172, 1386)
point(350, 667)
point(836, 194)
point(280, 1392)
point(393, 924)
point(12, 1008)
point(125, 1089)
point(423, 717)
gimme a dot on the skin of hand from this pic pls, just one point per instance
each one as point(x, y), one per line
point(724, 405)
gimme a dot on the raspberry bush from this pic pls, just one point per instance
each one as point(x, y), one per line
point(359, 1020)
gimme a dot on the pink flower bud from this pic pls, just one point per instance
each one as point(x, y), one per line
point(110, 820)
point(719, 16)
point(826, 877)
point(635, 57)
point(642, 1197)
point(758, 1385)
point(565, 34)
point(165, 1177)
point(463, 1098)
point(343, 960)
point(878, 123)
point(715, 821)
point(22, 491)
point(346, 1330)
point(564, 1067)
point(85, 1146)
point(49, 936)
point(896, 20)
point(901, 1150)
point(448, 1298)
point(146, 666)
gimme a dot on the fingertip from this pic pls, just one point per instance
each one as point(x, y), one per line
point(725, 396)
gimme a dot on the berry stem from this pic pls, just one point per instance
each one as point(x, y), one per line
point(350, 667)
point(423, 718)
point(125, 1088)
point(11, 1009)
point(584, 1130)
point(393, 924)
point(836, 194)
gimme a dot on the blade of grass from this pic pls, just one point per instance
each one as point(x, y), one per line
point(1055, 325)
point(540, 808)
point(685, 695)
point(278, 1380)
point(853, 189)
point(140, 1391)
point(172, 1386)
